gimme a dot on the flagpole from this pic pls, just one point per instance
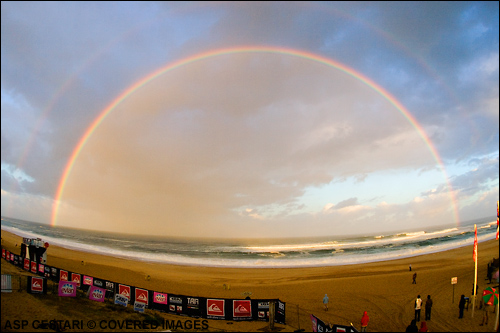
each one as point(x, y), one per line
point(475, 270)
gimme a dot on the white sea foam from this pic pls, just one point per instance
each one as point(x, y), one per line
point(273, 256)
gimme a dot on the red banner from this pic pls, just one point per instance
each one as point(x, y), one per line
point(124, 291)
point(242, 309)
point(141, 295)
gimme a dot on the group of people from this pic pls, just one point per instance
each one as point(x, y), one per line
point(418, 307)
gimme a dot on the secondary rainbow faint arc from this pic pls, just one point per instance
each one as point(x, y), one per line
point(245, 49)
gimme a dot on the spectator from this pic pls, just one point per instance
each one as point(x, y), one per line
point(428, 307)
point(364, 321)
point(418, 307)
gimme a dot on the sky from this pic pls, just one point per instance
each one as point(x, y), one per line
point(250, 119)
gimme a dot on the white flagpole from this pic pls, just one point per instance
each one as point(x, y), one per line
point(475, 270)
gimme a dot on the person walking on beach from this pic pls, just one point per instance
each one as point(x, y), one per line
point(325, 302)
point(461, 306)
point(418, 307)
point(364, 321)
point(414, 278)
point(410, 267)
point(428, 307)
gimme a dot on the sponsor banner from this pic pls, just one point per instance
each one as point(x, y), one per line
point(124, 291)
point(99, 283)
point(110, 285)
point(47, 271)
point(3, 253)
point(160, 298)
point(76, 278)
point(216, 308)
point(176, 304)
point(11, 256)
point(26, 264)
point(141, 296)
point(88, 280)
point(193, 307)
point(97, 294)
point(262, 310)
point(63, 275)
point(67, 288)
point(53, 274)
point(242, 310)
point(37, 285)
point(279, 313)
point(41, 268)
point(158, 301)
point(139, 306)
point(121, 300)
point(7, 256)
point(17, 260)
point(33, 267)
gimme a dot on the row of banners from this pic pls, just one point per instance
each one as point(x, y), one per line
point(99, 289)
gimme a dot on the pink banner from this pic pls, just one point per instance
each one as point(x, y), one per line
point(67, 288)
point(160, 298)
point(97, 294)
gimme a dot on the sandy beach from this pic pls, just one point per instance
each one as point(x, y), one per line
point(383, 289)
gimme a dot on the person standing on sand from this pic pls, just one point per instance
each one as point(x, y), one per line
point(364, 321)
point(418, 307)
point(410, 267)
point(461, 306)
point(414, 278)
point(428, 307)
point(325, 302)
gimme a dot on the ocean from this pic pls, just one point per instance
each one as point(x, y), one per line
point(296, 252)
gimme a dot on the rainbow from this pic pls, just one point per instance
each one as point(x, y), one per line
point(236, 50)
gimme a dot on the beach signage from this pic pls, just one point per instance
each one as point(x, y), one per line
point(88, 280)
point(124, 291)
point(26, 264)
point(263, 310)
point(36, 285)
point(76, 278)
point(63, 275)
point(242, 309)
point(121, 300)
point(215, 308)
point(97, 294)
point(160, 298)
point(139, 306)
point(110, 285)
point(141, 296)
point(454, 280)
point(67, 289)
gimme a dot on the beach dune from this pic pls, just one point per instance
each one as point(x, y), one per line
point(383, 289)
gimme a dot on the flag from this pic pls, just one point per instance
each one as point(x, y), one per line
point(474, 253)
